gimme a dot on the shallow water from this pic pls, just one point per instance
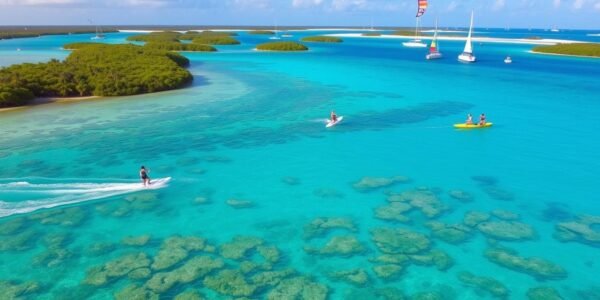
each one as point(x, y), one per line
point(251, 129)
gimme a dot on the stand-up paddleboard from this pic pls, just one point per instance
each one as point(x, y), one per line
point(472, 126)
point(158, 183)
point(331, 123)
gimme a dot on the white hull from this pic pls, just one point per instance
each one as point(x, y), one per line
point(508, 61)
point(274, 38)
point(414, 44)
point(97, 38)
point(467, 57)
point(434, 55)
point(286, 35)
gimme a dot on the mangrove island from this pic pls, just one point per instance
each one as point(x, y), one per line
point(95, 70)
point(578, 49)
point(281, 46)
point(169, 40)
point(322, 39)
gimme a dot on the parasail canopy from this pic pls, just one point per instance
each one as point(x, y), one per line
point(422, 7)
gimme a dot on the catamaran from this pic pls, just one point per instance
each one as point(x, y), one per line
point(434, 49)
point(467, 55)
point(416, 42)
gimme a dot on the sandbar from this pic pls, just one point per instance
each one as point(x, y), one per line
point(457, 38)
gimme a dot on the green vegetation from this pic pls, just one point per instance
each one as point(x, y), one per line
point(405, 32)
point(581, 49)
point(267, 32)
point(322, 39)
point(162, 36)
point(95, 70)
point(14, 96)
point(169, 40)
point(190, 35)
point(24, 32)
point(371, 34)
point(178, 46)
point(533, 37)
point(282, 46)
point(210, 39)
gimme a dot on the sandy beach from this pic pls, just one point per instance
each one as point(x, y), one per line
point(455, 38)
point(41, 101)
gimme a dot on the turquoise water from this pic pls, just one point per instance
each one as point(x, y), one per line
point(251, 128)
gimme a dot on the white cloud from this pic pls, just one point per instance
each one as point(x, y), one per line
point(578, 4)
point(556, 3)
point(452, 6)
point(348, 4)
point(38, 2)
point(260, 4)
point(306, 3)
point(597, 6)
point(498, 5)
point(144, 3)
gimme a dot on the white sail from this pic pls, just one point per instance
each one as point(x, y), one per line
point(469, 45)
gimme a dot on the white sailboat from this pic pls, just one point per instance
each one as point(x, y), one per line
point(467, 55)
point(99, 35)
point(416, 42)
point(434, 49)
point(276, 36)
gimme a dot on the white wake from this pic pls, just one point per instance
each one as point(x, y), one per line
point(34, 196)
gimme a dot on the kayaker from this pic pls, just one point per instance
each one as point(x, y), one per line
point(469, 119)
point(333, 116)
point(482, 119)
point(144, 176)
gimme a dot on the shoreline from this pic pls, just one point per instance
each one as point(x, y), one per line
point(48, 100)
point(560, 54)
point(454, 38)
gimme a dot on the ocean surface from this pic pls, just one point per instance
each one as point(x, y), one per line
point(265, 202)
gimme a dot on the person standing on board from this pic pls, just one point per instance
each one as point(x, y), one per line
point(144, 176)
point(333, 116)
point(482, 119)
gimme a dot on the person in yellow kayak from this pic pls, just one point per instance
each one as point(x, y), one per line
point(469, 119)
point(482, 120)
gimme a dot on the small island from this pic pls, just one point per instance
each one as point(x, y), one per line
point(37, 31)
point(210, 39)
point(371, 34)
point(170, 40)
point(322, 39)
point(265, 32)
point(281, 46)
point(95, 70)
point(575, 49)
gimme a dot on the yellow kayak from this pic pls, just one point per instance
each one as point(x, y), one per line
point(472, 126)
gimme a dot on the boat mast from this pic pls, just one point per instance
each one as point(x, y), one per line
point(468, 45)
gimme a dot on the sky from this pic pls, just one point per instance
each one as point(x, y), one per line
point(563, 14)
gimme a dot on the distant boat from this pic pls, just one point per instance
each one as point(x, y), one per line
point(508, 60)
point(467, 55)
point(554, 29)
point(18, 49)
point(276, 36)
point(416, 42)
point(99, 34)
point(434, 50)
